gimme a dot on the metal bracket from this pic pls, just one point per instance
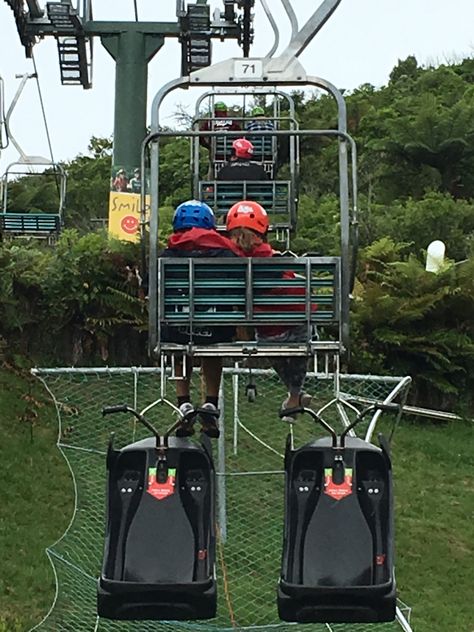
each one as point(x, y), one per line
point(302, 37)
point(250, 71)
point(23, 157)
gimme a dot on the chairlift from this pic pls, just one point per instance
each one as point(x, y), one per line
point(35, 222)
point(39, 223)
point(278, 196)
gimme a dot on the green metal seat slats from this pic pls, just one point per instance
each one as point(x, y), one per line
point(30, 223)
point(223, 147)
point(263, 149)
point(274, 196)
point(248, 291)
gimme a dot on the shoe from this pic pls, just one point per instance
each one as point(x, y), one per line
point(304, 401)
point(186, 429)
point(209, 422)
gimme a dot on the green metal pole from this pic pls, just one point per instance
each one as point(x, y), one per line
point(132, 50)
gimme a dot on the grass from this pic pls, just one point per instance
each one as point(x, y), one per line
point(434, 470)
point(36, 500)
point(434, 477)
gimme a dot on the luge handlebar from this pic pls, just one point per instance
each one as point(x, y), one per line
point(384, 407)
point(188, 417)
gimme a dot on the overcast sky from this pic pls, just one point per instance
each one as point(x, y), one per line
point(361, 43)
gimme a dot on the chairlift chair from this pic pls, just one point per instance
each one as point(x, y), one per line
point(29, 223)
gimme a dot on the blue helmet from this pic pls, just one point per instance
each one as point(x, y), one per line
point(193, 214)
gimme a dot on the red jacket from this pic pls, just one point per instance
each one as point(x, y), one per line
point(201, 239)
point(265, 250)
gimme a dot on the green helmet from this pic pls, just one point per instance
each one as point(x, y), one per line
point(258, 111)
point(220, 106)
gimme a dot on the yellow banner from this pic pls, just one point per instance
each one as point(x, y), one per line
point(124, 216)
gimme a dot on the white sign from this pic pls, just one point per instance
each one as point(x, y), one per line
point(248, 68)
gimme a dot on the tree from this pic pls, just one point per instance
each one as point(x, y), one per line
point(423, 139)
point(411, 322)
point(88, 185)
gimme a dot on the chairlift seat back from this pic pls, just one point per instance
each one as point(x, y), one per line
point(275, 196)
point(197, 293)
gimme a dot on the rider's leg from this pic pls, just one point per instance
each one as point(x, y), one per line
point(184, 371)
point(292, 372)
point(212, 373)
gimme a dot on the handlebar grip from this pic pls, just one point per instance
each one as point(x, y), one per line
point(290, 411)
point(110, 410)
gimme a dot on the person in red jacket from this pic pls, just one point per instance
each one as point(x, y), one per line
point(195, 236)
point(247, 224)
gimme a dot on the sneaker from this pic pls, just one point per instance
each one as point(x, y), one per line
point(209, 422)
point(186, 429)
point(305, 401)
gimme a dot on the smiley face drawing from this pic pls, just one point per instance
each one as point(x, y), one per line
point(129, 224)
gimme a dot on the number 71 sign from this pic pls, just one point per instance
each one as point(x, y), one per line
point(248, 68)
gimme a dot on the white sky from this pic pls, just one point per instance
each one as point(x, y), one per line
point(360, 43)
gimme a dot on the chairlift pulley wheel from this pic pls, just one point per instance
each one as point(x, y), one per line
point(229, 10)
point(246, 25)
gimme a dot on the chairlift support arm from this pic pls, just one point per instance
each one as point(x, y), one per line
point(300, 39)
point(24, 78)
point(274, 26)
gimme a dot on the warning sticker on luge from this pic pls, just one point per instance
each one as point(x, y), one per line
point(161, 490)
point(337, 491)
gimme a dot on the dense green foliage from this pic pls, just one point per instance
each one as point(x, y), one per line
point(415, 140)
point(75, 303)
point(416, 323)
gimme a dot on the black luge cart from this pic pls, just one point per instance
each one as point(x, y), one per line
point(160, 542)
point(337, 564)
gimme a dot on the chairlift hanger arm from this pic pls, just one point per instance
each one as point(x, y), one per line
point(24, 79)
point(274, 26)
point(292, 16)
point(304, 36)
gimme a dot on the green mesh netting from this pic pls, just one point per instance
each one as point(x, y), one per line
point(249, 488)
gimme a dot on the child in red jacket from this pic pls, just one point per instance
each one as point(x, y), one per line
point(195, 236)
point(247, 224)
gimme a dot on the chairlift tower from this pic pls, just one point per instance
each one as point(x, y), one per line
point(132, 44)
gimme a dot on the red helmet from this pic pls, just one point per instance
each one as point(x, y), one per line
point(248, 214)
point(243, 148)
